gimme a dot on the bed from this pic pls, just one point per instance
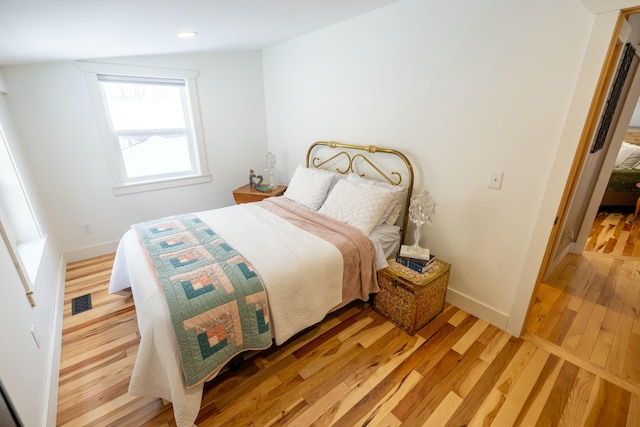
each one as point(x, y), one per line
point(212, 286)
point(621, 188)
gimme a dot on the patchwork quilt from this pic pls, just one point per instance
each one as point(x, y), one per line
point(217, 301)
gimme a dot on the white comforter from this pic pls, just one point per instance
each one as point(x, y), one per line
point(157, 371)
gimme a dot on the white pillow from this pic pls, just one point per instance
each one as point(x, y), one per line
point(392, 211)
point(400, 200)
point(309, 187)
point(628, 156)
point(356, 205)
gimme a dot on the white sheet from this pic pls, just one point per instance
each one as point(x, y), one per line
point(386, 240)
point(157, 371)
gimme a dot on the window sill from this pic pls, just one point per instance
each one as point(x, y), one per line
point(151, 186)
point(31, 256)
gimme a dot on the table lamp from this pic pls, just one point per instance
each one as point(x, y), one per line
point(269, 166)
point(421, 208)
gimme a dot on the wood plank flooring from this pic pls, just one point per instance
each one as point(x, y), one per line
point(353, 369)
point(589, 307)
point(614, 234)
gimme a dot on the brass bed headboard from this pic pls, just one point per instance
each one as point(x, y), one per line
point(345, 160)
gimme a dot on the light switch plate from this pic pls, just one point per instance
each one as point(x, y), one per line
point(495, 180)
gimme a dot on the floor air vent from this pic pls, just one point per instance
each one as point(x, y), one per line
point(80, 304)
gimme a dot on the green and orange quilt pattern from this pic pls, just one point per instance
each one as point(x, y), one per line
point(217, 302)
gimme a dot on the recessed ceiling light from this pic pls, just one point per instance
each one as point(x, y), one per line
point(186, 34)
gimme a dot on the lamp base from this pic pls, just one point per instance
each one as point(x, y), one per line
point(414, 252)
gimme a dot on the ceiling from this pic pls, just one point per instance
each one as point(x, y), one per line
point(46, 30)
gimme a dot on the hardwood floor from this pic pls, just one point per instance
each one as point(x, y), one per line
point(588, 309)
point(353, 369)
point(614, 234)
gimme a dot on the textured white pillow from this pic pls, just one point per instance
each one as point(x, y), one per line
point(392, 211)
point(628, 156)
point(309, 187)
point(400, 199)
point(356, 205)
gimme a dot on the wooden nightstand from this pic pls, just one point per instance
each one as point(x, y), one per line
point(247, 194)
point(411, 299)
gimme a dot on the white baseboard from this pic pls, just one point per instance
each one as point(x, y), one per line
point(481, 311)
point(53, 376)
point(91, 251)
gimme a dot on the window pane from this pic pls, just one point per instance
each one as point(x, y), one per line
point(144, 106)
point(155, 155)
point(13, 199)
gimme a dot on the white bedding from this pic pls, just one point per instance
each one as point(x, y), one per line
point(386, 240)
point(157, 371)
point(289, 308)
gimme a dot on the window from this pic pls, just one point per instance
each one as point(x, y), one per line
point(18, 226)
point(150, 123)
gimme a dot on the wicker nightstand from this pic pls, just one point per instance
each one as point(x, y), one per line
point(410, 299)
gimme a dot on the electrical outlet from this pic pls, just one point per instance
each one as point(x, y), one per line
point(86, 229)
point(495, 180)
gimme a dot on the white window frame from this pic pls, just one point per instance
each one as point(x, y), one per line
point(18, 252)
point(120, 183)
point(19, 228)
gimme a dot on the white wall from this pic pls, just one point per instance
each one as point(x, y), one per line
point(59, 135)
point(29, 373)
point(463, 88)
point(635, 119)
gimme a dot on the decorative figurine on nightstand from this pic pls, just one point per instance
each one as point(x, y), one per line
point(269, 166)
point(421, 209)
point(254, 180)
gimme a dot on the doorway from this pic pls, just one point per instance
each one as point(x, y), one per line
point(603, 147)
point(585, 303)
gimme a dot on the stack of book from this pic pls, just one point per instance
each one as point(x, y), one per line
point(417, 264)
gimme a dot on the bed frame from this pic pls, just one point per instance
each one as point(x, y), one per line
point(367, 161)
